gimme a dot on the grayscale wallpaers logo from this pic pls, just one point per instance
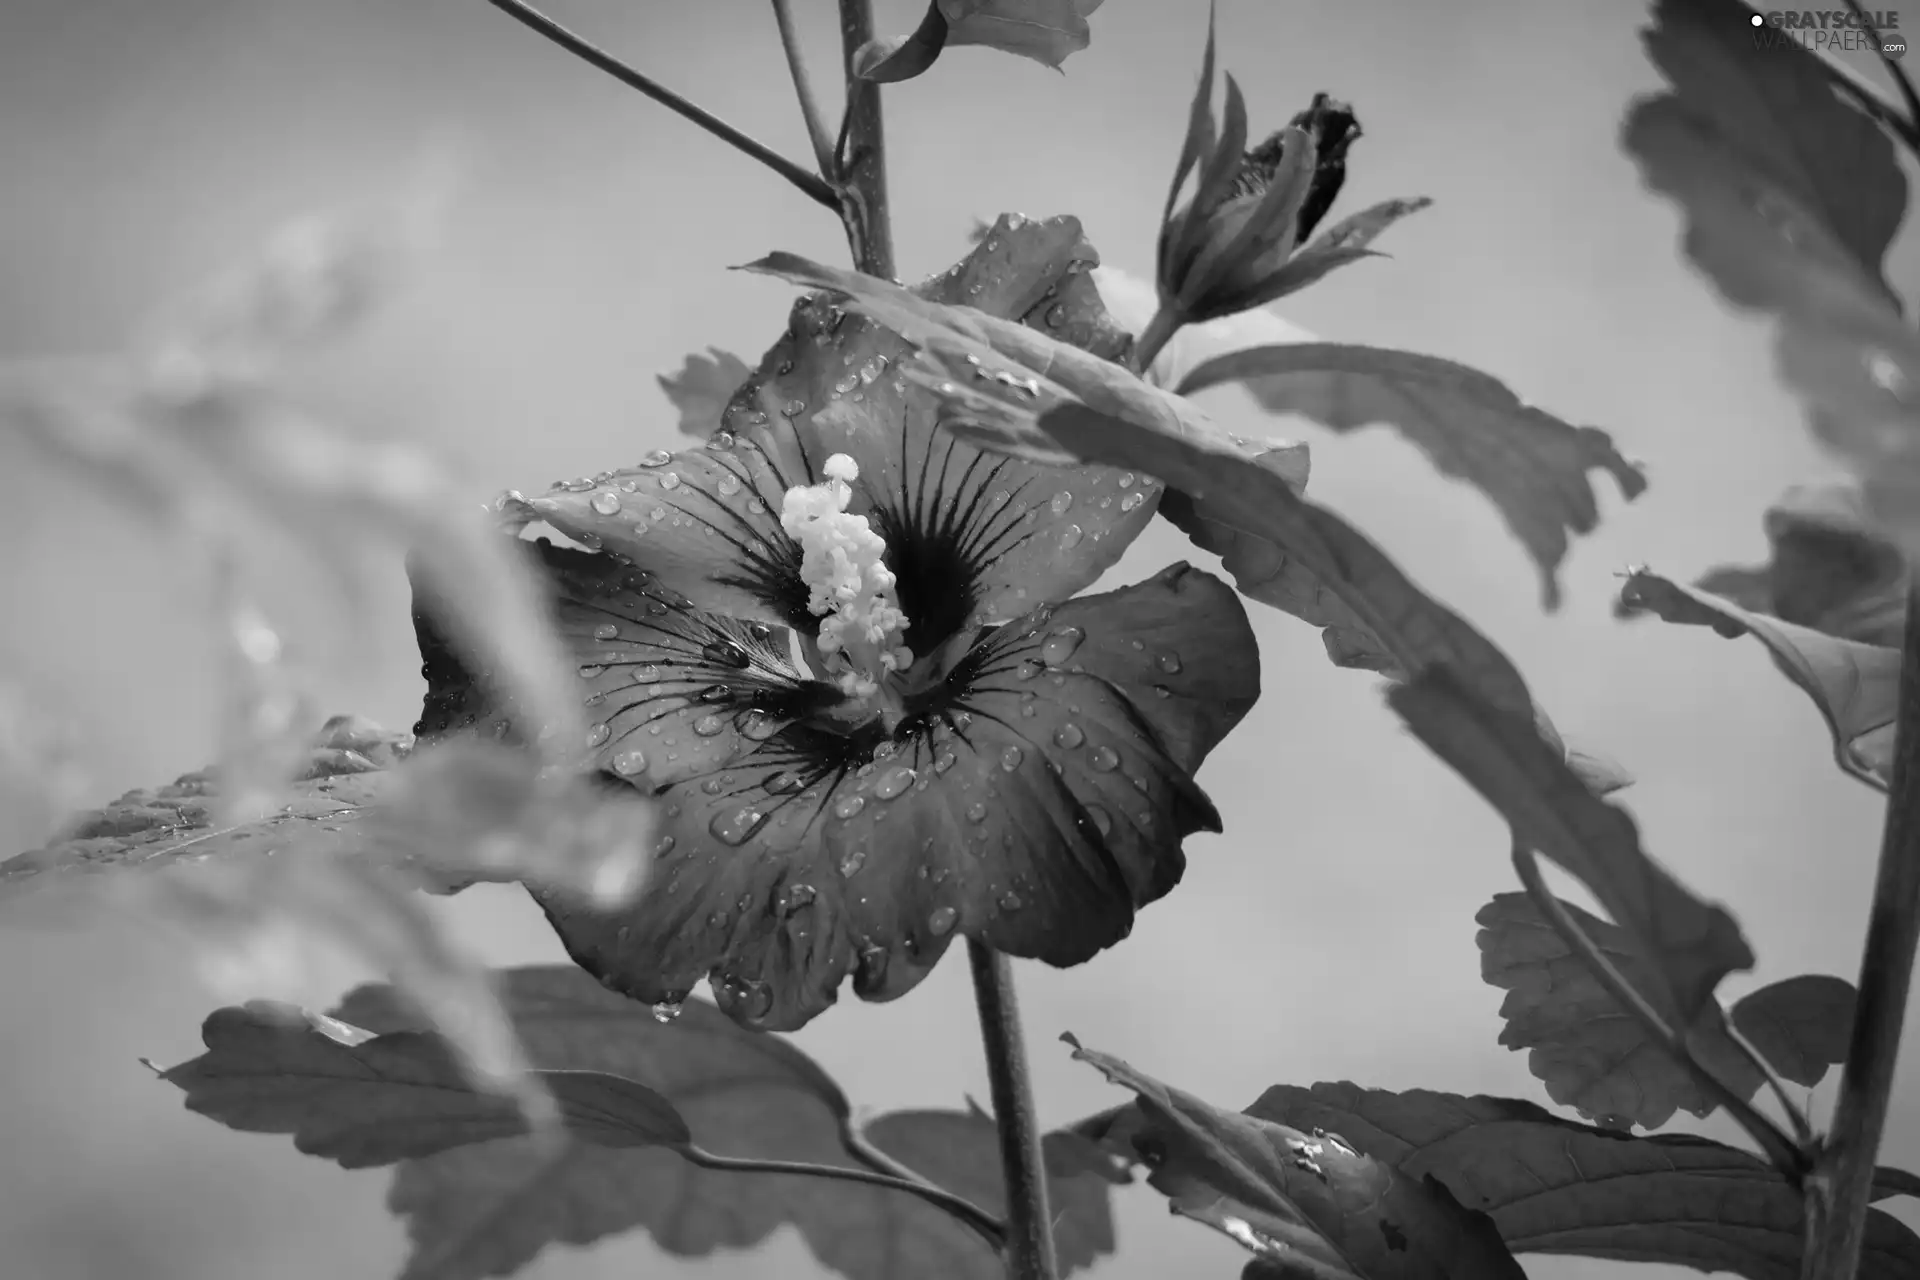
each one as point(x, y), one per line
point(1837, 30)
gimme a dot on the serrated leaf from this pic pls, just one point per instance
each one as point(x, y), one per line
point(1791, 198)
point(1830, 569)
point(701, 388)
point(1689, 944)
point(1589, 1052)
point(1801, 1025)
point(1304, 1199)
point(1556, 1186)
point(488, 1210)
point(1853, 685)
point(1047, 31)
point(1532, 465)
point(363, 1100)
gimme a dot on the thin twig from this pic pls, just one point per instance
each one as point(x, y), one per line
point(1895, 71)
point(960, 1207)
point(1030, 1250)
point(803, 87)
point(813, 185)
point(1780, 1149)
point(854, 1140)
point(860, 158)
point(1841, 1187)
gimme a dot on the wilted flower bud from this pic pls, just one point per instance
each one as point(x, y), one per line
point(1237, 243)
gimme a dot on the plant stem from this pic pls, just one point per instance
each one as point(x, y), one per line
point(860, 159)
point(959, 1206)
point(1780, 1149)
point(1841, 1186)
point(1153, 339)
point(813, 185)
point(1029, 1248)
point(817, 135)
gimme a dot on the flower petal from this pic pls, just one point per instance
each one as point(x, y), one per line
point(787, 870)
point(704, 521)
point(972, 537)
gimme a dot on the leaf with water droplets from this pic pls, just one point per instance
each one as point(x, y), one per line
point(1047, 31)
point(1801, 1025)
point(1690, 944)
point(1303, 1198)
point(701, 388)
point(1580, 1042)
point(490, 1209)
point(1532, 465)
point(1554, 1186)
point(1854, 685)
point(362, 1100)
point(1791, 198)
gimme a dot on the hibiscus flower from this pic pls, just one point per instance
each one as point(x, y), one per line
point(843, 651)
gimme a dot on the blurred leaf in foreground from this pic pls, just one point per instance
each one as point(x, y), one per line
point(701, 388)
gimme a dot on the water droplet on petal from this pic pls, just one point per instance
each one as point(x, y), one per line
point(597, 735)
point(1105, 759)
point(848, 806)
point(1068, 736)
point(1102, 820)
point(1168, 662)
point(670, 480)
point(646, 673)
point(758, 726)
point(1127, 479)
point(1010, 901)
point(606, 631)
point(1162, 691)
point(852, 862)
point(943, 762)
point(606, 502)
point(794, 897)
point(941, 922)
point(1010, 758)
point(589, 671)
point(726, 653)
point(1070, 537)
point(628, 763)
point(729, 485)
point(977, 812)
point(663, 846)
point(793, 408)
point(658, 458)
point(1059, 646)
point(736, 826)
point(709, 727)
point(1061, 501)
point(668, 1010)
point(716, 693)
point(1132, 500)
point(893, 782)
point(1056, 315)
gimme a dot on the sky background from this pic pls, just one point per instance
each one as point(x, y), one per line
point(1328, 935)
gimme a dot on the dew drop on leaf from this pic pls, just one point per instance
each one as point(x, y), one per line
point(1010, 758)
point(1105, 759)
point(1068, 736)
point(606, 502)
point(1070, 537)
point(977, 812)
point(1061, 501)
point(629, 763)
point(670, 480)
point(853, 861)
point(658, 458)
point(1168, 662)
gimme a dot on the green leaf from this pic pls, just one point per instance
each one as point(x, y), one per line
point(1047, 31)
point(1791, 197)
point(490, 1209)
point(1303, 1198)
point(1591, 1053)
point(1344, 242)
point(1801, 1026)
point(363, 1100)
point(1690, 944)
point(1532, 465)
point(1853, 685)
point(1829, 569)
point(1555, 1186)
point(701, 388)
